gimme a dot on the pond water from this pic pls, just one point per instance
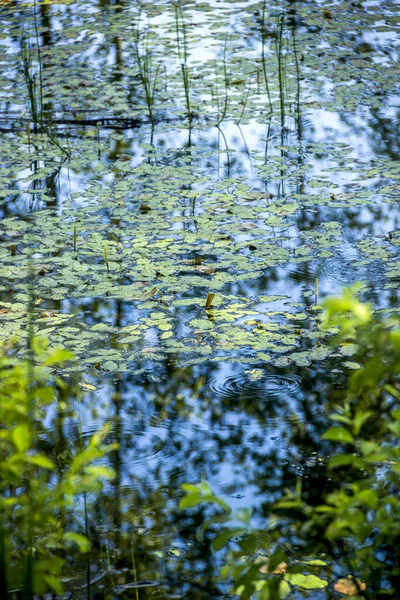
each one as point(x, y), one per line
point(182, 185)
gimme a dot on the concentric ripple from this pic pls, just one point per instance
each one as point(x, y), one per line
point(339, 271)
point(258, 400)
point(142, 447)
point(348, 272)
point(269, 387)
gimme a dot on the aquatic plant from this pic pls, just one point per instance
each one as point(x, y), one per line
point(222, 115)
point(39, 489)
point(279, 46)
point(33, 79)
point(354, 525)
point(148, 73)
point(183, 54)
point(263, 57)
point(204, 309)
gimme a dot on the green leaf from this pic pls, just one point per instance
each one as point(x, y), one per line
point(223, 538)
point(54, 583)
point(199, 493)
point(99, 471)
point(338, 434)
point(80, 540)
point(284, 589)
point(360, 418)
point(289, 504)
point(307, 582)
point(191, 500)
point(195, 499)
point(343, 460)
point(40, 460)
point(341, 419)
point(315, 562)
point(21, 436)
point(58, 356)
point(368, 497)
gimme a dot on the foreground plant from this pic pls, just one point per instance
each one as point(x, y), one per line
point(36, 529)
point(355, 526)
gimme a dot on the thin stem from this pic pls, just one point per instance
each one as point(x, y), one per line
point(263, 61)
point(182, 46)
point(3, 565)
point(39, 59)
point(224, 110)
point(298, 90)
point(280, 68)
point(147, 79)
point(134, 572)
point(244, 103)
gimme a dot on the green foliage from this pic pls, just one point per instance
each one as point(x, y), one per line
point(36, 494)
point(356, 524)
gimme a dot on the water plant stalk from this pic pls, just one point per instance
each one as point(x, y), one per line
point(225, 108)
point(28, 135)
point(279, 52)
point(298, 85)
point(182, 45)
point(134, 571)
point(39, 62)
point(106, 260)
point(263, 58)
point(147, 75)
point(244, 104)
point(30, 82)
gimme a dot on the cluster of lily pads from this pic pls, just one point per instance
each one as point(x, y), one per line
point(158, 239)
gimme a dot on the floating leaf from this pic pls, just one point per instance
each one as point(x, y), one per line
point(307, 582)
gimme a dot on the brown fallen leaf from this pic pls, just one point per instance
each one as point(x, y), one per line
point(279, 569)
point(349, 586)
